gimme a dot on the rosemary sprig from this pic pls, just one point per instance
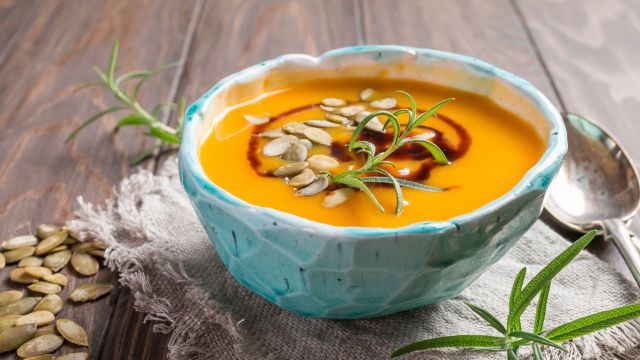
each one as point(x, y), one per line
point(358, 179)
point(512, 337)
point(135, 113)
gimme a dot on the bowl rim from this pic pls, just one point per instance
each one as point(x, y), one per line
point(552, 156)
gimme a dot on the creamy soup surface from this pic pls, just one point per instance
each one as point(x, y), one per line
point(490, 151)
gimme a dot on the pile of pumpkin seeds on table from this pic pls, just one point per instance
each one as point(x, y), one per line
point(28, 324)
point(293, 141)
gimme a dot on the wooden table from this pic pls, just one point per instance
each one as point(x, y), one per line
point(584, 55)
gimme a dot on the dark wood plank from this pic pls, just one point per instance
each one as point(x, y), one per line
point(39, 175)
point(592, 50)
point(15, 17)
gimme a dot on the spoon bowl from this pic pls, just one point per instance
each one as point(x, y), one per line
point(597, 187)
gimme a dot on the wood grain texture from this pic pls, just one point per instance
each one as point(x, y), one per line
point(592, 50)
point(39, 175)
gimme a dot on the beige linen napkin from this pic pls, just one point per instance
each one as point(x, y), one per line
point(162, 253)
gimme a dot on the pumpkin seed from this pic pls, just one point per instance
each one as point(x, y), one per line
point(18, 254)
point(21, 277)
point(39, 318)
point(46, 230)
point(338, 119)
point(19, 241)
point(30, 261)
point(8, 321)
point(85, 264)
point(256, 120)
point(3, 261)
point(41, 357)
point(72, 332)
point(322, 162)
point(305, 178)
point(47, 329)
point(294, 128)
point(10, 296)
point(52, 303)
point(321, 123)
point(350, 111)
point(51, 242)
point(87, 292)
point(37, 271)
point(13, 337)
point(272, 133)
point(385, 103)
point(58, 278)
point(327, 108)
point(57, 260)
point(20, 307)
point(278, 146)
point(366, 93)
point(44, 287)
point(337, 197)
point(295, 152)
point(73, 356)
point(321, 183)
point(84, 247)
point(40, 345)
point(59, 248)
point(333, 102)
point(306, 142)
point(96, 252)
point(373, 124)
point(70, 241)
point(71, 233)
point(290, 169)
point(318, 136)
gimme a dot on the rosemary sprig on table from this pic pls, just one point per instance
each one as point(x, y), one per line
point(135, 113)
point(512, 336)
point(358, 178)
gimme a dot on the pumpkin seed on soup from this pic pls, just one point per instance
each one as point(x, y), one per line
point(72, 332)
point(272, 133)
point(366, 94)
point(40, 345)
point(306, 177)
point(316, 187)
point(294, 128)
point(296, 152)
point(85, 264)
point(12, 338)
point(321, 123)
point(19, 241)
point(373, 124)
point(339, 119)
point(337, 197)
point(333, 102)
point(318, 136)
point(52, 303)
point(290, 169)
point(278, 146)
point(322, 162)
point(385, 104)
point(350, 111)
point(257, 120)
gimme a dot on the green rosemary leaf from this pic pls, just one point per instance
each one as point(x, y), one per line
point(429, 113)
point(101, 74)
point(512, 354)
point(92, 120)
point(386, 162)
point(541, 309)
point(488, 317)
point(181, 113)
point(153, 73)
point(515, 291)
point(393, 120)
point(457, 341)
point(112, 63)
point(357, 183)
point(412, 115)
point(87, 86)
point(164, 135)
point(537, 352)
point(132, 119)
point(435, 151)
point(402, 182)
point(396, 188)
point(546, 275)
point(594, 322)
point(536, 338)
point(358, 130)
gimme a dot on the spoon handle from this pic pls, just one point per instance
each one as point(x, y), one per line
point(621, 236)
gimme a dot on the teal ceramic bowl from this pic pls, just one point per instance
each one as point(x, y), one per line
point(326, 271)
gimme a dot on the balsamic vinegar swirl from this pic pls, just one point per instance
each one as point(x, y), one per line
point(382, 141)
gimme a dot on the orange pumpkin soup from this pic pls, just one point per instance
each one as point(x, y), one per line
point(489, 150)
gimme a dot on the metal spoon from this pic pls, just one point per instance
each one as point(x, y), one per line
point(597, 188)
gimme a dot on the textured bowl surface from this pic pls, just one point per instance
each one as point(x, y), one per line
point(353, 272)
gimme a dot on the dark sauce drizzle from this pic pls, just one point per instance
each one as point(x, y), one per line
point(382, 141)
